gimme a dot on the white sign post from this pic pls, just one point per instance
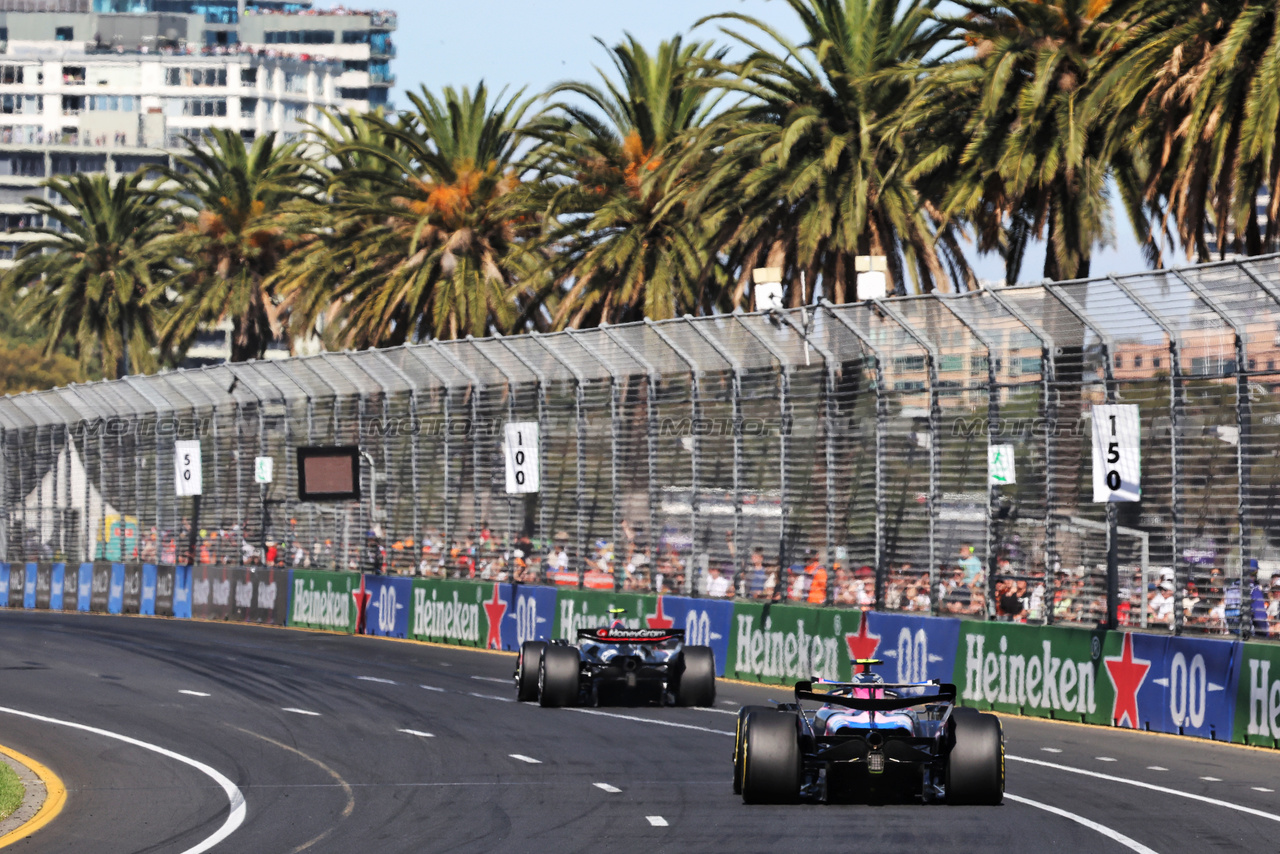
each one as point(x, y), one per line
point(263, 469)
point(1000, 468)
point(1117, 457)
point(521, 452)
point(187, 479)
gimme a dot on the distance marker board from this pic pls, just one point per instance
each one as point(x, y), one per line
point(1117, 457)
point(187, 472)
point(520, 452)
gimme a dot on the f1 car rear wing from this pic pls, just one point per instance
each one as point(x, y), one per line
point(621, 635)
point(946, 693)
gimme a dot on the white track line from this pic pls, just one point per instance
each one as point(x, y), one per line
point(377, 679)
point(300, 712)
point(1261, 789)
point(491, 697)
point(1104, 759)
point(193, 693)
point(613, 790)
point(1156, 768)
point(1051, 749)
point(418, 733)
point(659, 821)
point(524, 758)
point(433, 688)
point(717, 711)
point(497, 679)
point(647, 720)
point(1212, 779)
point(1190, 796)
point(1115, 835)
point(234, 797)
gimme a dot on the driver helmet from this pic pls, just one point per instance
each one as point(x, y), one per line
point(617, 614)
point(869, 680)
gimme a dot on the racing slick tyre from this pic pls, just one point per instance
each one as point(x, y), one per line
point(737, 743)
point(975, 767)
point(558, 676)
point(771, 765)
point(527, 666)
point(697, 685)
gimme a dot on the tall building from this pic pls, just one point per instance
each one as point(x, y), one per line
point(113, 85)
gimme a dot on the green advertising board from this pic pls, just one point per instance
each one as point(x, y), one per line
point(1032, 670)
point(1257, 718)
point(323, 600)
point(450, 612)
point(779, 644)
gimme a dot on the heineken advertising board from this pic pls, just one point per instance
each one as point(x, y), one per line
point(323, 600)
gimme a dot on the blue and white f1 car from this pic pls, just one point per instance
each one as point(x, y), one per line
point(869, 740)
point(617, 664)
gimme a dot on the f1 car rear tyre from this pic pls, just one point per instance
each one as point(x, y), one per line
point(737, 743)
point(771, 765)
point(697, 685)
point(558, 676)
point(975, 768)
point(527, 670)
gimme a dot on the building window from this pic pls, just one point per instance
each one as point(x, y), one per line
point(353, 94)
point(295, 83)
point(248, 108)
point(355, 37)
point(377, 97)
point(355, 65)
point(1271, 364)
point(113, 103)
point(195, 77)
point(1137, 361)
point(72, 105)
point(10, 73)
point(1155, 361)
point(21, 104)
point(295, 112)
point(64, 34)
point(248, 77)
point(4, 34)
point(299, 37)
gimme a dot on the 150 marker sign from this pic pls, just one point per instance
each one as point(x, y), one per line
point(520, 449)
point(1117, 458)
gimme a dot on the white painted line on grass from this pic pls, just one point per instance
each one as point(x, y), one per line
point(524, 758)
point(193, 693)
point(648, 720)
point(418, 733)
point(1204, 799)
point(301, 712)
point(491, 697)
point(497, 679)
point(377, 679)
point(1156, 768)
point(1104, 759)
point(433, 688)
point(1212, 779)
point(613, 790)
point(1051, 749)
point(234, 796)
point(1115, 835)
point(659, 821)
point(1261, 789)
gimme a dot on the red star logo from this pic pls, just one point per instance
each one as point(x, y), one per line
point(495, 608)
point(1127, 675)
point(862, 644)
point(362, 597)
point(659, 620)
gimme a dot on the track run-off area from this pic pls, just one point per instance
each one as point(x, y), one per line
point(175, 736)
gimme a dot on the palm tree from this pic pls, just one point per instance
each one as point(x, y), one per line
point(816, 165)
point(229, 239)
point(422, 223)
point(1034, 154)
point(92, 274)
point(621, 245)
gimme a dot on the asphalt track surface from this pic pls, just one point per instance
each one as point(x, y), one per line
point(311, 728)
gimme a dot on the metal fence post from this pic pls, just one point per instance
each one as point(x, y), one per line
point(615, 427)
point(447, 408)
point(935, 452)
point(580, 424)
point(415, 429)
point(476, 388)
point(695, 407)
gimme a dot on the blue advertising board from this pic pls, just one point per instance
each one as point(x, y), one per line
point(531, 617)
point(4, 585)
point(29, 591)
point(84, 587)
point(148, 603)
point(55, 592)
point(706, 622)
point(913, 648)
point(1188, 686)
point(387, 609)
point(115, 596)
point(182, 592)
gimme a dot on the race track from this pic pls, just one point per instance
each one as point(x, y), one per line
point(342, 744)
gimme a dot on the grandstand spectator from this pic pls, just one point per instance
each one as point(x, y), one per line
point(754, 577)
point(718, 586)
point(956, 594)
point(1273, 608)
point(773, 588)
point(1160, 604)
point(970, 564)
point(815, 579)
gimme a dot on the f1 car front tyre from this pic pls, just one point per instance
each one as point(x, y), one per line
point(737, 743)
point(975, 767)
point(527, 667)
point(771, 765)
point(558, 676)
point(697, 685)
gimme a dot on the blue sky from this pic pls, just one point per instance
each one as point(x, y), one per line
point(521, 44)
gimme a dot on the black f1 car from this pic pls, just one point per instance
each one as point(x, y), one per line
point(617, 664)
point(869, 740)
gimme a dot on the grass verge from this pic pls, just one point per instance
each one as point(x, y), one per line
point(11, 791)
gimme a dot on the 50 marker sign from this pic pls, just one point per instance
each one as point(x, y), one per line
point(1117, 457)
point(520, 450)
